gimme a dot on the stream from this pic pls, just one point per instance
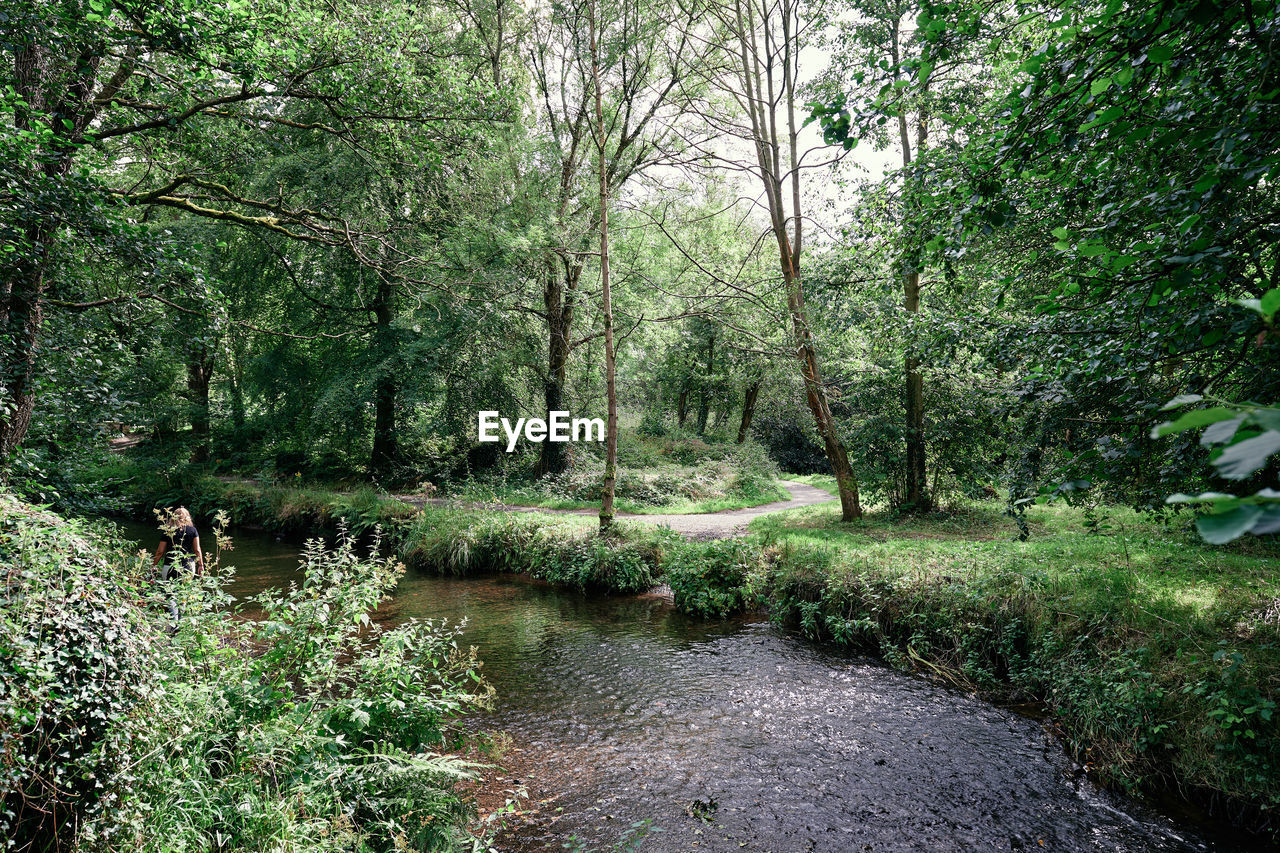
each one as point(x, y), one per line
point(735, 736)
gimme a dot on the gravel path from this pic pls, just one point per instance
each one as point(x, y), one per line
point(706, 525)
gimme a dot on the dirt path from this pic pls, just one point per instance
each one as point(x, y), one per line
point(707, 525)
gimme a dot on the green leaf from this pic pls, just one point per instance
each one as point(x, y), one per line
point(1224, 527)
point(1192, 420)
point(1100, 86)
point(1266, 418)
point(1221, 432)
point(1181, 400)
point(1242, 460)
point(1161, 54)
point(1268, 521)
point(1108, 115)
point(1269, 304)
point(1203, 497)
point(1060, 232)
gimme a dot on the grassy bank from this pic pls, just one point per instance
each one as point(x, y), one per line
point(1158, 656)
point(676, 473)
point(560, 549)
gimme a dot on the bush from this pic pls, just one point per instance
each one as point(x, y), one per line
point(712, 578)
point(310, 728)
point(790, 444)
point(628, 560)
point(652, 424)
point(76, 660)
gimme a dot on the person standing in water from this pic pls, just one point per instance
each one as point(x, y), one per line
point(181, 546)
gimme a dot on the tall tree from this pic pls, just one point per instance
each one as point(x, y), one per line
point(648, 55)
point(606, 295)
point(141, 83)
point(767, 41)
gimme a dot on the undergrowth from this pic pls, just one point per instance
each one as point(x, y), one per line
point(310, 728)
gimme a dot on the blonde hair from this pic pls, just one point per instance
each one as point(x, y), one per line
point(181, 517)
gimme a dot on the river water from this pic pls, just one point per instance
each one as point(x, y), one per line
point(734, 736)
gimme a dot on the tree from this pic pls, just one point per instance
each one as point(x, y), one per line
point(767, 40)
point(649, 57)
point(876, 80)
point(1115, 272)
point(95, 83)
point(606, 300)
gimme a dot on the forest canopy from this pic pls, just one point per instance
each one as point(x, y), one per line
point(933, 249)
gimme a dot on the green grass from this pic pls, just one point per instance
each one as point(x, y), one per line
point(530, 497)
point(560, 549)
point(677, 473)
point(826, 482)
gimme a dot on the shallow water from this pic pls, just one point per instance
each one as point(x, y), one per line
point(622, 709)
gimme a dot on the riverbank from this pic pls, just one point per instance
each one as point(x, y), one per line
point(1155, 655)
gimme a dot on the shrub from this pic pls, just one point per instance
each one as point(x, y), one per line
point(790, 444)
point(76, 659)
point(652, 424)
point(690, 451)
point(310, 728)
point(627, 560)
point(712, 578)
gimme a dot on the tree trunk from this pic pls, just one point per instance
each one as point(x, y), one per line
point(682, 406)
point(21, 314)
point(200, 363)
point(748, 409)
point(704, 398)
point(916, 492)
point(22, 285)
point(235, 377)
point(385, 446)
point(386, 451)
point(557, 296)
point(611, 391)
point(815, 395)
point(762, 71)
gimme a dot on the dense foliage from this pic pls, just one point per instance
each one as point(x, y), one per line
point(310, 726)
point(277, 248)
point(273, 257)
